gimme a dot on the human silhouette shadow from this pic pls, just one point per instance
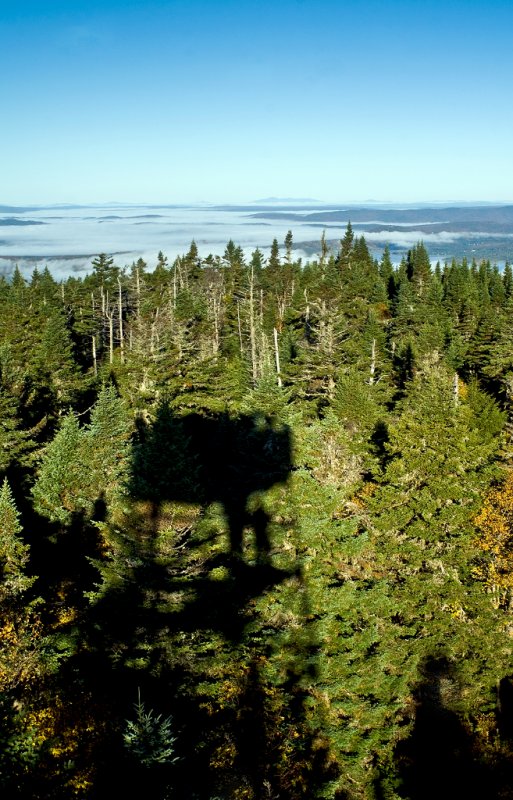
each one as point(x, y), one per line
point(505, 709)
point(441, 759)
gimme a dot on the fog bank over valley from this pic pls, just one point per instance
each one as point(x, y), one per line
point(67, 238)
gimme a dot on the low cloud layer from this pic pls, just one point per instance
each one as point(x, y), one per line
point(71, 238)
point(410, 238)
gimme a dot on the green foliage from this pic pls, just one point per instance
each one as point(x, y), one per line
point(63, 485)
point(14, 553)
point(149, 738)
point(162, 464)
point(104, 272)
point(267, 398)
point(81, 465)
point(15, 444)
point(107, 443)
point(288, 561)
point(54, 358)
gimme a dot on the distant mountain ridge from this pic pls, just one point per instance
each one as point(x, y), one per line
point(272, 200)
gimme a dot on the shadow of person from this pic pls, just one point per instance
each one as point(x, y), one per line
point(439, 758)
point(505, 710)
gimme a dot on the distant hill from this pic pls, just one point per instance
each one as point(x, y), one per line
point(17, 209)
point(471, 219)
point(10, 221)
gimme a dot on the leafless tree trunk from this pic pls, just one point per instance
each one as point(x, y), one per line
point(456, 389)
point(277, 357)
point(154, 335)
point(93, 347)
point(252, 337)
point(110, 317)
point(373, 362)
point(240, 328)
point(137, 291)
point(120, 317)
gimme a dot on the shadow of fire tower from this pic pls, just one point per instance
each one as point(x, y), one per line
point(194, 617)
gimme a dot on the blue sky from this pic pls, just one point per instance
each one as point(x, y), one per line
point(186, 100)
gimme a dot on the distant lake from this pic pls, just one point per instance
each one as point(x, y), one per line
point(70, 237)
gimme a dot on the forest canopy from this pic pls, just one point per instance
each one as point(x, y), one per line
point(256, 527)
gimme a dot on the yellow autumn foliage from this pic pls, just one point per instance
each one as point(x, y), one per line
point(66, 732)
point(495, 540)
point(19, 656)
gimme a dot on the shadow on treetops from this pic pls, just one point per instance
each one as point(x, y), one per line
point(201, 460)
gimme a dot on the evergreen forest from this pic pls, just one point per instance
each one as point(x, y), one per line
point(256, 528)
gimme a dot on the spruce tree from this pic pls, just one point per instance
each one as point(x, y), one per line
point(104, 272)
point(54, 359)
point(106, 444)
point(16, 442)
point(14, 553)
point(64, 482)
point(346, 248)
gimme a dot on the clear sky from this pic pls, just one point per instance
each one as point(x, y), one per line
point(169, 101)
